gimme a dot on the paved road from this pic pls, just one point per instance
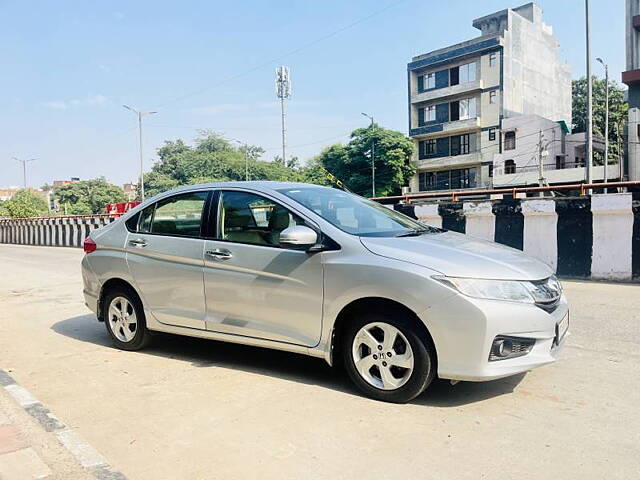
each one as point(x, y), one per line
point(196, 409)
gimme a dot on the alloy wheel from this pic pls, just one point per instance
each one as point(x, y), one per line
point(382, 356)
point(122, 319)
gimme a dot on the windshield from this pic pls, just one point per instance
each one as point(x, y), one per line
point(354, 214)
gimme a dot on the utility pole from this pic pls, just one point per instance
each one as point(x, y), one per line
point(620, 154)
point(589, 133)
point(606, 119)
point(541, 180)
point(283, 91)
point(140, 114)
point(246, 158)
point(24, 168)
point(373, 155)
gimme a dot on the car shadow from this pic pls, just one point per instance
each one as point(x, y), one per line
point(294, 367)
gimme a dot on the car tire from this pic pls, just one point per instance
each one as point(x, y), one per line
point(128, 330)
point(369, 351)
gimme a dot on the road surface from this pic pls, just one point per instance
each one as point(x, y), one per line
point(196, 409)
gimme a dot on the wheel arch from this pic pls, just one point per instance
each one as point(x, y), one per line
point(378, 304)
point(110, 285)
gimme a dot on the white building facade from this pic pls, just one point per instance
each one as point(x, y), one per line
point(531, 140)
point(460, 95)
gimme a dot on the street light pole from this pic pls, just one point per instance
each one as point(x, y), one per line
point(373, 155)
point(606, 119)
point(140, 114)
point(24, 168)
point(589, 133)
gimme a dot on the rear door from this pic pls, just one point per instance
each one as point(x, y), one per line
point(165, 258)
point(254, 287)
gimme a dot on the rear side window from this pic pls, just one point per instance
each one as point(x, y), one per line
point(144, 222)
point(178, 215)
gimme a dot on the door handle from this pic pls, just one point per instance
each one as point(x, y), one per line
point(138, 242)
point(219, 253)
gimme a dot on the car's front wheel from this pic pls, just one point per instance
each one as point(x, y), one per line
point(124, 319)
point(386, 358)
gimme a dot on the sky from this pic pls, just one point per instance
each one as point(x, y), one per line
point(69, 66)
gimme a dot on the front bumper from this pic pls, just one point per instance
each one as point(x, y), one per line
point(464, 328)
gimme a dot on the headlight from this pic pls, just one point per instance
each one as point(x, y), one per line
point(542, 292)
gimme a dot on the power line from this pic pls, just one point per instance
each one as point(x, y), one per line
point(283, 56)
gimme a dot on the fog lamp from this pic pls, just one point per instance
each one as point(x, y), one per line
point(504, 347)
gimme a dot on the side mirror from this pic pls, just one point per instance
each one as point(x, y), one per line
point(298, 237)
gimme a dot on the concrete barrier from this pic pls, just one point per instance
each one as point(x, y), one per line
point(52, 231)
point(586, 237)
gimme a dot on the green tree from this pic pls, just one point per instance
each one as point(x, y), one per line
point(351, 163)
point(26, 204)
point(3, 209)
point(618, 109)
point(88, 196)
point(212, 159)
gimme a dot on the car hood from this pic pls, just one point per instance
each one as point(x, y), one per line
point(457, 255)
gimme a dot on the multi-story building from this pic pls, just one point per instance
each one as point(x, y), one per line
point(460, 95)
point(631, 77)
point(130, 190)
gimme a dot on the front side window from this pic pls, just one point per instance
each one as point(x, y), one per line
point(493, 59)
point(249, 218)
point(178, 215)
point(351, 213)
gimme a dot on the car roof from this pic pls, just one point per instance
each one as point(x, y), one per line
point(257, 184)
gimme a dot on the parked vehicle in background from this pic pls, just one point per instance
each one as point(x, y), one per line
point(326, 273)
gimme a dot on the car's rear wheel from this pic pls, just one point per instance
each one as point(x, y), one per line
point(386, 358)
point(124, 319)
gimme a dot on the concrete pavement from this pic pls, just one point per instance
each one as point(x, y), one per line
point(197, 409)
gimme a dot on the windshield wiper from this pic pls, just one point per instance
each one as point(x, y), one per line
point(416, 232)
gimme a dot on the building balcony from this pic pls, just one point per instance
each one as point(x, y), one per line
point(469, 159)
point(447, 127)
point(451, 91)
point(572, 173)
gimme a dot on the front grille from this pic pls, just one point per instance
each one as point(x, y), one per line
point(547, 294)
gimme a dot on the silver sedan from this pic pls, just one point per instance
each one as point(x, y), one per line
point(322, 272)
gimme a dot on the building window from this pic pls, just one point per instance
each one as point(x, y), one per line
point(492, 96)
point(426, 115)
point(426, 82)
point(447, 179)
point(427, 148)
point(492, 134)
point(493, 59)
point(467, 73)
point(459, 145)
point(491, 170)
point(510, 140)
point(509, 167)
point(560, 162)
point(467, 108)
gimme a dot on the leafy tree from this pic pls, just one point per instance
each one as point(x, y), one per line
point(351, 163)
point(618, 109)
point(88, 196)
point(212, 159)
point(3, 209)
point(25, 204)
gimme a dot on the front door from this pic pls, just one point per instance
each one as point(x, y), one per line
point(164, 254)
point(254, 287)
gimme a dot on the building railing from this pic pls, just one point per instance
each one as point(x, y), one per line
point(583, 188)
